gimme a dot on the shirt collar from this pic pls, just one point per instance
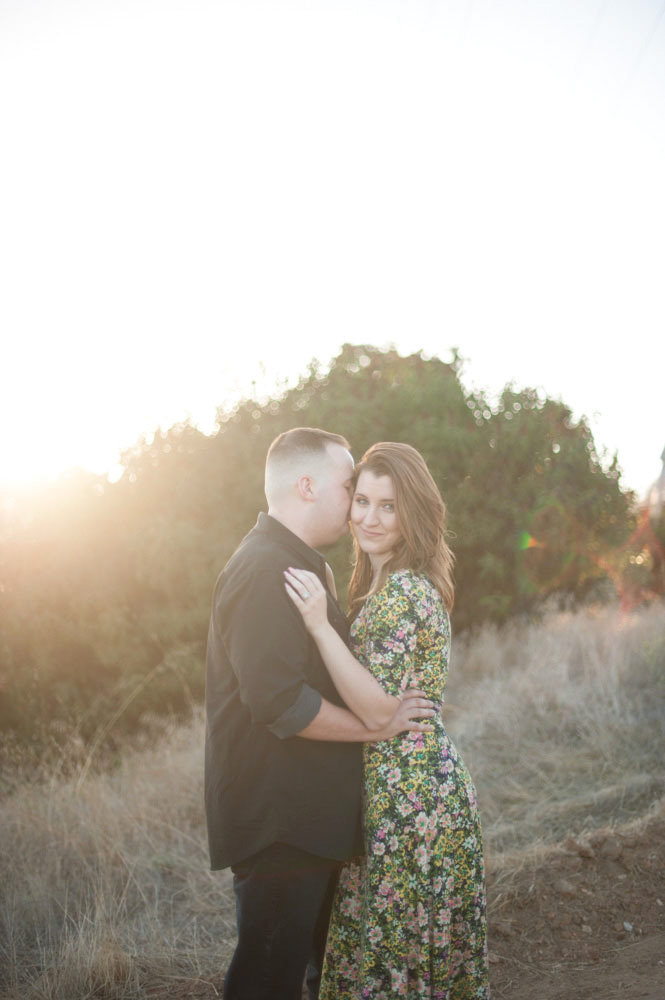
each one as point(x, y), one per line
point(275, 529)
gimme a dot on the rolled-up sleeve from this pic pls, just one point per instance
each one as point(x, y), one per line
point(268, 648)
point(300, 714)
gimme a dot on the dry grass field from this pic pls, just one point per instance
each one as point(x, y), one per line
point(105, 890)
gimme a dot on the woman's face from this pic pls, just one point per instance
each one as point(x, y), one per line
point(373, 515)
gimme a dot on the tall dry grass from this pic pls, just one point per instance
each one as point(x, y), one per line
point(104, 882)
point(562, 723)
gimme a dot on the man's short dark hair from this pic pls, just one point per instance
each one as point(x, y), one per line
point(303, 439)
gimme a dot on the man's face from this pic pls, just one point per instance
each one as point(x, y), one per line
point(334, 488)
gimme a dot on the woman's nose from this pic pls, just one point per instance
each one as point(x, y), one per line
point(371, 516)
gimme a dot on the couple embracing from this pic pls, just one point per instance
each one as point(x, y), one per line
point(332, 790)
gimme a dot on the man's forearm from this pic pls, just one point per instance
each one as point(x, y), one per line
point(338, 725)
point(341, 726)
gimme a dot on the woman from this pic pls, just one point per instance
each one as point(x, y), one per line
point(409, 917)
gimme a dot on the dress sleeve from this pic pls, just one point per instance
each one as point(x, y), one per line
point(408, 636)
point(392, 634)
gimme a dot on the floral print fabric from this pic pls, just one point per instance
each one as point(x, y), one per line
point(409, 917)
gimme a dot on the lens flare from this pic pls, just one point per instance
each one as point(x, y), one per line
point(548, 545)
point(527, 541)
point(555, 550)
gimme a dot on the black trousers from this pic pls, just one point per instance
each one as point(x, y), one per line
point(283, 902)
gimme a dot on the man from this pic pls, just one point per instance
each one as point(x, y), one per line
point(283, 753)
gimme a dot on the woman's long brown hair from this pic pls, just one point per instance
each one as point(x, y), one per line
point(421, 515)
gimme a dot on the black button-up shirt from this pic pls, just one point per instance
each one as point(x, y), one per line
point(264, 683)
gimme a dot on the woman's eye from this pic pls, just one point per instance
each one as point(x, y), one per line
point(389, 507)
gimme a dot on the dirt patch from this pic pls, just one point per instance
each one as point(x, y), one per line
point(582, 921)
point(585, 920)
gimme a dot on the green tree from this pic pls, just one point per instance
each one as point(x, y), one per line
point(105, 587)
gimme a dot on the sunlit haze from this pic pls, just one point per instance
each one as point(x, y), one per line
point(197, 198)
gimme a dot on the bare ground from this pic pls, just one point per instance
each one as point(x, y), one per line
point(584, 920)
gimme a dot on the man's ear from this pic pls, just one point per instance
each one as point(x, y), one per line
point(306, 488)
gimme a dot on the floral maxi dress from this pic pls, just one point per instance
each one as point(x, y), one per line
point(409, 918)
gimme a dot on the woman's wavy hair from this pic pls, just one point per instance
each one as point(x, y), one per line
point(421, 515)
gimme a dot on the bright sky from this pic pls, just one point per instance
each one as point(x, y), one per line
point(202, 194)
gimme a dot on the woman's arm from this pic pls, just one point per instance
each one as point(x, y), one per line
point(361, 692)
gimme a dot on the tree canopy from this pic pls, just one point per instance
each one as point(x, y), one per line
point(103, 585)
